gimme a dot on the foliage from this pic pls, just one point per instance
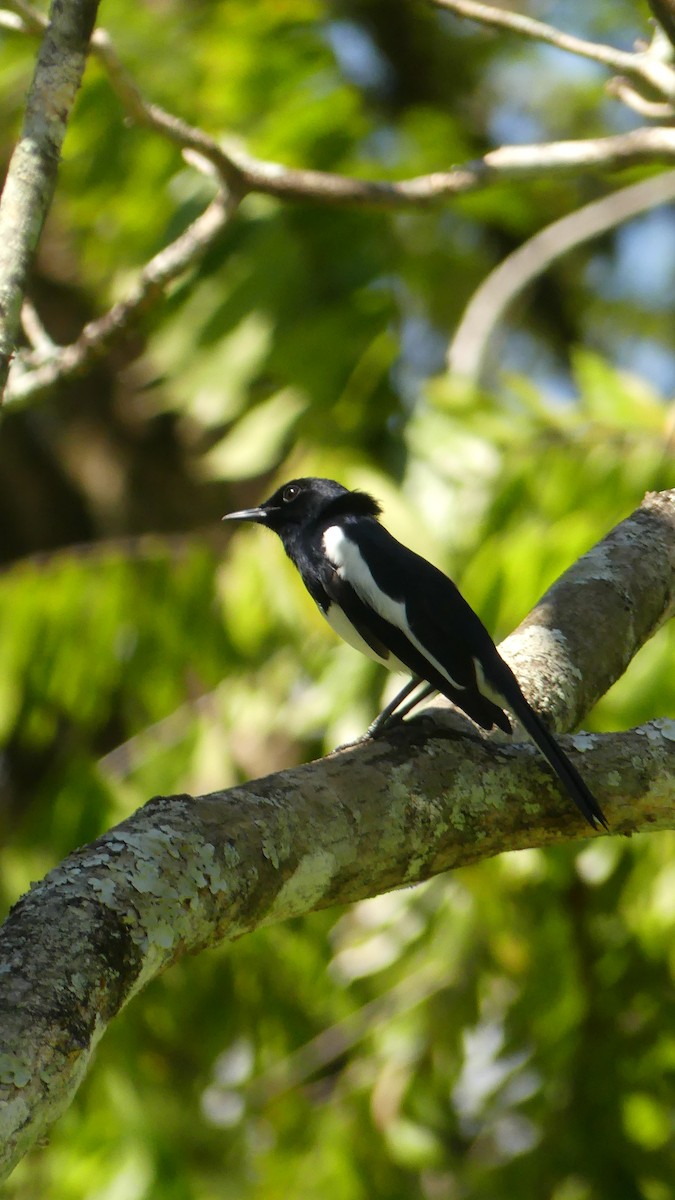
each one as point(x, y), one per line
point(503, 1032)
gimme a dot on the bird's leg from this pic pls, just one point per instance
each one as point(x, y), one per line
point(384, 719)
point(393, 712)
point(427, 690)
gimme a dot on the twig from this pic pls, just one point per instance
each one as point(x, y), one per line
point(644, 66)
point(35, 331)
point(644, 145)
point(652, 110)
point(489, 305)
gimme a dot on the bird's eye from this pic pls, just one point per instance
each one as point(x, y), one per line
point(291, 492)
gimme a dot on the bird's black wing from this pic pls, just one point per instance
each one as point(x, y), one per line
point(394, 597)
point(434, 617)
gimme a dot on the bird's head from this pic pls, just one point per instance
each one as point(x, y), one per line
point(303, 501)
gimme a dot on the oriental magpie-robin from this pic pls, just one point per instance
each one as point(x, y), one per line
point(397, 608)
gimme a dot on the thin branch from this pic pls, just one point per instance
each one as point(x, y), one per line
point(468, 352)
point(646, 67)
point(35, 373)
point(243, 173)
point(35, 331)
point(32, 20)
point(507, 162)
point(652, 110)
point(645, 145)
point(32, 377)
point(31, 176)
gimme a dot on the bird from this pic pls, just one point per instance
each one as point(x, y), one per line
point(402, 611)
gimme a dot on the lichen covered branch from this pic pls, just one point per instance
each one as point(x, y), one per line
point(187, 872)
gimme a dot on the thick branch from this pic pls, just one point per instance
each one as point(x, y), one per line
point(184, 873)
point(31, 177)
point(581, 636)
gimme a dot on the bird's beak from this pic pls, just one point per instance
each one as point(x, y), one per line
point(248, 514)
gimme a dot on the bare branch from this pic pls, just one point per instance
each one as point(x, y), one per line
point(35, 331)
point(648, 68)
point(31, 377)
point(615, 152)
point(652, 110)
point(32, 20)
point(468, 352)
point(31, 177)
point(35, 373)
point(244, 173)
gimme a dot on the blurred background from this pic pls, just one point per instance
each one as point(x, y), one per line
point(505, 1031)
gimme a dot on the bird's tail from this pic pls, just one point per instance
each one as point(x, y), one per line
point(558, 760)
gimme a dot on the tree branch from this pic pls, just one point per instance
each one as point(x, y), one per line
point(646, 66)
point(243, 173)
point(184, 873)
point(36, 371)
point(581, 636)
point(31, 177)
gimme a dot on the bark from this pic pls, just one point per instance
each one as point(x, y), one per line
point(187, 872)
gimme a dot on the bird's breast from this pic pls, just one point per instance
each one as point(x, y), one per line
point(340, 624)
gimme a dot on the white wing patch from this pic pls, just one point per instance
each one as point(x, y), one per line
point(485, 688)
point(350, 566)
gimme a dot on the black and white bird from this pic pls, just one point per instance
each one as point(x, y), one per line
point(397, 608)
